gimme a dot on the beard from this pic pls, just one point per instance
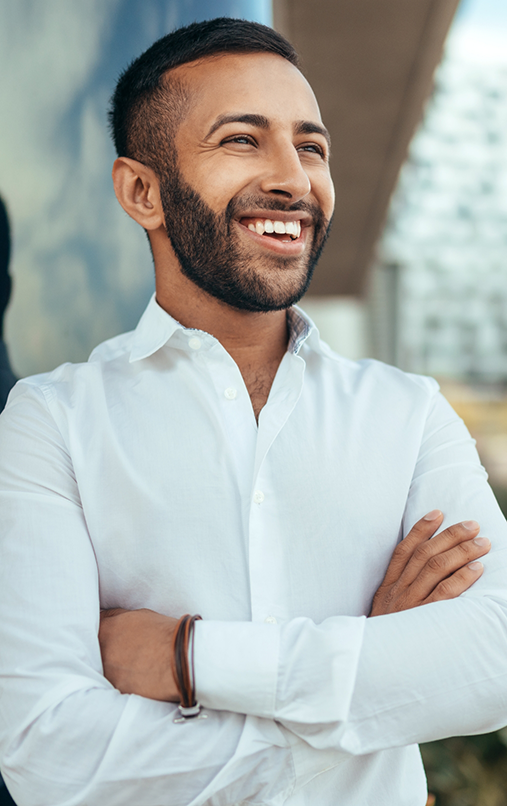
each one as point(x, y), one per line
point(211, 255)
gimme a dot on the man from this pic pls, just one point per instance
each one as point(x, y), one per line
point(7, 379)
point(221, 460)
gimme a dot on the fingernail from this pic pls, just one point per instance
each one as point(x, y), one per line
point(481, 541)
point(476, 566)
point(433, 515)
point(470, 525)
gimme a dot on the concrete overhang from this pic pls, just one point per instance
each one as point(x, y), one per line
point(371, 64)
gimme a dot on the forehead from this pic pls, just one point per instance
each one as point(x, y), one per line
point(256, 83)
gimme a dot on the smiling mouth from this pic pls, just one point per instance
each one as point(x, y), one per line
point(279, 230)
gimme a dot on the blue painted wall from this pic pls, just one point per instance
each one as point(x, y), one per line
point(82, 269)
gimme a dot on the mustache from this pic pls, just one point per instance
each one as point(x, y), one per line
point(237, 205)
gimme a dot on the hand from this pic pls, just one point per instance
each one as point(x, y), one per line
point(423, 570)
point(136, 648)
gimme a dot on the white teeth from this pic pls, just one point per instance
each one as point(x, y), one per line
point(292, 228)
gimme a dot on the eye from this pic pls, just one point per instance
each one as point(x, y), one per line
point(313, 148)
point(240, 139)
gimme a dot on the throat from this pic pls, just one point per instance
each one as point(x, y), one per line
point(258, 383)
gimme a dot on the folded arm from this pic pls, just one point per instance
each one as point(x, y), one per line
point(320, 687)
point(136, 645)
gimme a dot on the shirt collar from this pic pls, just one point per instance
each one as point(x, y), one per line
point(156, 327)
point(300, 328)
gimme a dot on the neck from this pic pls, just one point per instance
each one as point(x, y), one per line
point(252, 339)
point(256, 341)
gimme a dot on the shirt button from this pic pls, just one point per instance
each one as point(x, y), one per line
point(270, 620)
point(230, 393)
point(194, 343)
point(258, 496)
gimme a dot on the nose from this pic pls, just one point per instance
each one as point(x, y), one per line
point(285, 176)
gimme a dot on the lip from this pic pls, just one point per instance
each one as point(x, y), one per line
point(287, 248)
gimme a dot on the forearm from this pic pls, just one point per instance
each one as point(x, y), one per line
point(437, 671)
point(430, 672)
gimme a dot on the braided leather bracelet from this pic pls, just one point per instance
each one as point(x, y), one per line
point(184, 676)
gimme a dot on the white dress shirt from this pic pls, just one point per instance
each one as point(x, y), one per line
point(141, 479)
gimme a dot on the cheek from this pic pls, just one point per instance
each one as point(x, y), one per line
point(225, 184)
point(219, 179)
point(327, 197)
point(323, 190)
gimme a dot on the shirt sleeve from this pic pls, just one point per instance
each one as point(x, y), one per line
point(361, 685)
point(66, 735)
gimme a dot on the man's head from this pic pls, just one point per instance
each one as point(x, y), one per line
point(5, 251)
point(230, 129)
point(149, 101)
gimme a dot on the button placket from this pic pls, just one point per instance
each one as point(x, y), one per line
point(268, 593)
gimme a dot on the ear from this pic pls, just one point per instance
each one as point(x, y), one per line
point(137, 189)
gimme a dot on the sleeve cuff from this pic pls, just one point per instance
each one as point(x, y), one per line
point(298, 671)
point(236, 666)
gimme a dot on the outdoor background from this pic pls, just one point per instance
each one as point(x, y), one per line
point(436, 298)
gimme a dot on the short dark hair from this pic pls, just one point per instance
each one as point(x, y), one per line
point(145, 103)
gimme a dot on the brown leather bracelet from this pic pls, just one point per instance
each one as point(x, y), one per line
point(183, 673)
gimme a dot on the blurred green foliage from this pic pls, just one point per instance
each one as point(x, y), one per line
point(469, 770)
point(501, 497)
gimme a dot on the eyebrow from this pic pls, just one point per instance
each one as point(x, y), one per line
point(307, 127)
point(259, 121)
point(262, 122)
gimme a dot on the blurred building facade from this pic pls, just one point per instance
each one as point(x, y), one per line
point(437, 301)
point(441, 284)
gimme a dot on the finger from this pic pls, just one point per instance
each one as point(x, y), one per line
point(420, 533)
point(456, 584)
point(453, 536)
point(457, 533)
point(442, 566)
